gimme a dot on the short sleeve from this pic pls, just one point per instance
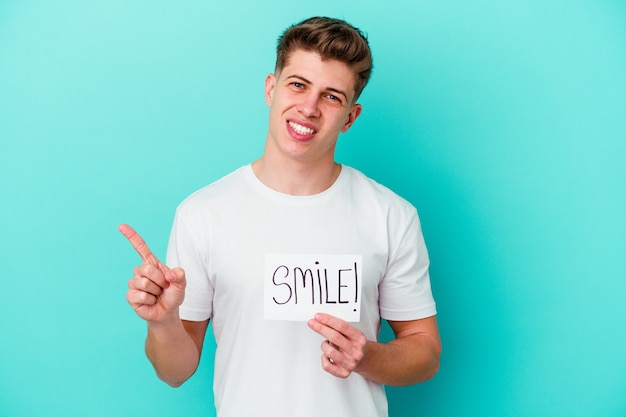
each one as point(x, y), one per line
point(405, 291)
point(186, 251)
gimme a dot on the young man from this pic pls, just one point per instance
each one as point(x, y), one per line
point(297, 202)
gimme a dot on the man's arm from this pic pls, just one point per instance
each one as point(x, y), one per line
point(155, 293)
point(174, 349)
point(412, 357)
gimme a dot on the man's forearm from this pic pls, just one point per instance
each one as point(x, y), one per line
point(172, 351)
point(404, 361)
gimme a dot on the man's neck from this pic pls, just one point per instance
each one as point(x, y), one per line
point(295, 177)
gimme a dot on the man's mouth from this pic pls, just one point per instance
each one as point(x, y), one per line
point(301, 130)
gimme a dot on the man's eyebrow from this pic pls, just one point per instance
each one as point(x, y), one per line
point(331, 89)
point(299, 77)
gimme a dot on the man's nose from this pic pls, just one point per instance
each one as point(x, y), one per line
point(310, 105)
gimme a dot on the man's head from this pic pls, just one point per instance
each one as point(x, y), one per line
point(331, 39)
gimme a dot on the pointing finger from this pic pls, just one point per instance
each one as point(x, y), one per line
point(140, 246)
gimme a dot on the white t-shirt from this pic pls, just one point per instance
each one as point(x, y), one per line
point(221, 235)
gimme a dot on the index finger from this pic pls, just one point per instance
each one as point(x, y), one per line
point(140, 245)
point(335, 324)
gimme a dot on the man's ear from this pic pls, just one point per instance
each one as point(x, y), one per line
point(270, 82)
point(355, 112)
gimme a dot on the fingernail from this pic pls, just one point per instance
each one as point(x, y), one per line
point(169, 275)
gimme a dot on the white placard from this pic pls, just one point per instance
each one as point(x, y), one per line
point(299, 285)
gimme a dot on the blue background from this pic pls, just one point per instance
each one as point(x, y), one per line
point(503, 122)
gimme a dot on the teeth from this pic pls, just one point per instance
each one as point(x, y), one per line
point(301, 130)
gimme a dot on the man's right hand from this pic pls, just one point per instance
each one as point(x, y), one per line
point(155, 292)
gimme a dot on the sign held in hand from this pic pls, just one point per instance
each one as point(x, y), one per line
point(299, 285)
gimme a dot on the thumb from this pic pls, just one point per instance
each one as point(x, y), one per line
point(176, 276)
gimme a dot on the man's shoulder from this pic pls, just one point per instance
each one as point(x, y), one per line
point(230, 183)
point(361, 183)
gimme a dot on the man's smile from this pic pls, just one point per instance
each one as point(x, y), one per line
point(301, 129)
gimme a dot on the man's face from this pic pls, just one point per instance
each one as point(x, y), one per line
point(311, 102)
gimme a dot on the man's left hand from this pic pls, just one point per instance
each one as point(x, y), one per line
point(344, 348)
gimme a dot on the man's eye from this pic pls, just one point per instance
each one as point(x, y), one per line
point(298, 85)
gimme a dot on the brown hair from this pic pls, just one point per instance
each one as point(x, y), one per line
point(331, 39)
